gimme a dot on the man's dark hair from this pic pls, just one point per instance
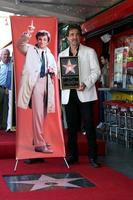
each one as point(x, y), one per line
point(43, 33)
point(73, 26)
point(106, 56)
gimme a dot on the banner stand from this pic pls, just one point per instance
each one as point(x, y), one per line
point(66, 162)
point(52, 122)
point(16, 164)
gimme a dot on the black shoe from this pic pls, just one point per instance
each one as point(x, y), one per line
point(8, 130)
point(34, 160)
point(71, 160)
point(94, 163)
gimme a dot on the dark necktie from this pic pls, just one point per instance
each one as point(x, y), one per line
point(42, 72)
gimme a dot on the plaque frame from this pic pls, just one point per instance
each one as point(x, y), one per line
point(69, 72)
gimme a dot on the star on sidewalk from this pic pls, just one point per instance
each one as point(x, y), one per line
point(47, 182)
point(69, 67)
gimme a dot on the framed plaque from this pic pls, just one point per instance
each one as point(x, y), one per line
point(69, 72)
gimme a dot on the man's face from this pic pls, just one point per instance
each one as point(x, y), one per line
point(5, 56)
point(42, 41)
point(74, 37)
point(102, 60)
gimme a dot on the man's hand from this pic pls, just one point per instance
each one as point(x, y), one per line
point(31, 28)
point(81, 87)
point(51, 72)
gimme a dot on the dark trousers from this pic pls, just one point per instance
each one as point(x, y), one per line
point(75, 111)
point(101, 100)
point(3, 108)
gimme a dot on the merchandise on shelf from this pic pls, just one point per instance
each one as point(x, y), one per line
point(120, 63)
point(123, 63)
